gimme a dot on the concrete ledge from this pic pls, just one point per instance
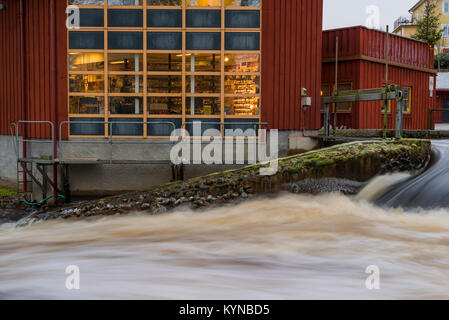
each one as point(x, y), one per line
point(357, 161)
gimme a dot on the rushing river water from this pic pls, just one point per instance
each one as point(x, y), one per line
point(289, 247)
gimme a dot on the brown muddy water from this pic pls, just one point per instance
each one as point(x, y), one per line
point(288, 247)
point(293, 247)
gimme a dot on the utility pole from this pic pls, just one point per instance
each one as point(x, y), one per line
point(386, 85)
point(336, 85)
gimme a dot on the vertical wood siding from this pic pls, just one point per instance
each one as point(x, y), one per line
point(291, 47)
point(357, 46)
point(37, 57)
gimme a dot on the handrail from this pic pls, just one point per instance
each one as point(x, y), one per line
point(109, 140)
point(110, 126)
point(224, 124)
point(17, 124)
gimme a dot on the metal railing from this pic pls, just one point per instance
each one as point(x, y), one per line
point(222, 125)
point(109, 138)
point(15, 132)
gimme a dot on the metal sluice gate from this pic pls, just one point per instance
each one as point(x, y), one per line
point(388, 93)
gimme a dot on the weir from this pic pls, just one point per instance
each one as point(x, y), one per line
point(428, 190)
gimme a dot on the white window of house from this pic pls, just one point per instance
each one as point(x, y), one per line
point(445, 7)
point(445, 28)
point(416, 16)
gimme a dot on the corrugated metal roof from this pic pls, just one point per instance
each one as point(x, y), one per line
point(443, 81)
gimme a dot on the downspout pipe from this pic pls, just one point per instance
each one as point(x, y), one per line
point(23, 86)
point(53, 89)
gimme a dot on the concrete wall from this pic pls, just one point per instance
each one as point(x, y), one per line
point(106, 179)
point(8, 158)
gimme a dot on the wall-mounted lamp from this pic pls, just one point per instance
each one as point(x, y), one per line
point(2, 6)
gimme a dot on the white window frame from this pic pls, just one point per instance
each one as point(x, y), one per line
point(445, 28)
point(445, 8)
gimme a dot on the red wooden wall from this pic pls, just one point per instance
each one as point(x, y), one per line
point(441, 96)
point(361, 61)
point(291, 47)
point(38, 65)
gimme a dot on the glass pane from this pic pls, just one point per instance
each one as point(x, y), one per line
point(125, 2)
point(86, 40)
point(125, 105)
point(164, 105)
point(126, 126)
point(164, 2)
point(87, 126)
point(164, 40)
point(203, 84)
point(125, 62)
point(203, 41)
point(242, 63)
point(406, 101)
point(164, 18)
point(125, 84)
point(164, 62)
point(242, 84)
point(204, 3)
point(203, 106)
point(242, 3)
point(92, 83)
point(242, 19)
point(91, 18)
point(242, 41)
point(125, 40)
point(203, 62)
point(242, 106)
point(86, 105)
point(86, 61)
point(122, 18)
point(160, 127)
point(86, 2)
point(203, 18)
point(164, 84)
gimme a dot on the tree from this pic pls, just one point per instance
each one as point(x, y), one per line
point(428, 28)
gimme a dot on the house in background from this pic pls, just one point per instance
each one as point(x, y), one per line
point(406, 26)
point(362, 66)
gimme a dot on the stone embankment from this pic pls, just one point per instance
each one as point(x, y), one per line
point(339, 168)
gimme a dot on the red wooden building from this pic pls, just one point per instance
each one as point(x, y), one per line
point(362, 66)
point(38, 82)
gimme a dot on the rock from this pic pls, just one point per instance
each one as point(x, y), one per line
point(145, 206)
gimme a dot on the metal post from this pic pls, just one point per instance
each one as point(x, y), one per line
point(336, 85)
point(399, 119)
point(386, 86)
point(326, 119)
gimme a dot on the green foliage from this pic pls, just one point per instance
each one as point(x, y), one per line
point(428, 28)
point(444, 61)
point(7, 193)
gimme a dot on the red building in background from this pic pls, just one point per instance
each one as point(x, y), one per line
point(362, 66)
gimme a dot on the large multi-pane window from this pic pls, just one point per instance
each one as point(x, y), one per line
point(140, 64)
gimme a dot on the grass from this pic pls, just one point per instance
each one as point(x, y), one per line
point(7, 193)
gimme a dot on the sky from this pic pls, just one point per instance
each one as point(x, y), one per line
point(344, 13)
